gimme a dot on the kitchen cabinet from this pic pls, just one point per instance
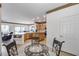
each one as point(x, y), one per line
point(40, 35)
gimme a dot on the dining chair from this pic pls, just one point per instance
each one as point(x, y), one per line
point(11, 48)
point(56, 47)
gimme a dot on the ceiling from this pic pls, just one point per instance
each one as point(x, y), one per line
point(25, 12)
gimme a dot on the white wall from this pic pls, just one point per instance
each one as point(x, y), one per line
point(0, 31)
point(65, 22)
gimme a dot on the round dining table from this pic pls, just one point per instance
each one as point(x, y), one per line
point(36, 50)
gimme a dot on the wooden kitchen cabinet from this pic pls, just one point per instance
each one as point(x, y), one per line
point(40, 35)
point(40, 32)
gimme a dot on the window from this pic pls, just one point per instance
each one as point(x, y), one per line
point(5, 29)
point(27, 28)
point(22, 29)
point(19, 29)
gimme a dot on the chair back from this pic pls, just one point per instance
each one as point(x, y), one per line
point(11, 48)
point(57, 46)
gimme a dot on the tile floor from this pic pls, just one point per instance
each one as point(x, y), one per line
point(21, 49)
point(28, 42)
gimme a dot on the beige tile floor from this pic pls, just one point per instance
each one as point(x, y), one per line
point(21, 47)
point(65, 54)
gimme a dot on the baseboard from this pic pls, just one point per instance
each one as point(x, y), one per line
point(69, 53)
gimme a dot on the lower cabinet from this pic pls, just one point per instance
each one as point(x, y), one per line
point(41, 35)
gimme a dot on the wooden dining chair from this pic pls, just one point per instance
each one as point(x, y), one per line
point(11, 48)
point(56, 47)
